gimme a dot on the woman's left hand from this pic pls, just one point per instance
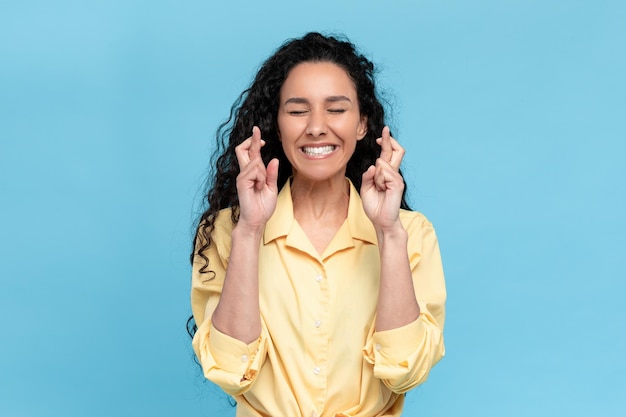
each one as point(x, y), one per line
point(382, 186)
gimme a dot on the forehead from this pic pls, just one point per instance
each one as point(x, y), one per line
point(313, 79)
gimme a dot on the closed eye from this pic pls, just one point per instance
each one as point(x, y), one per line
point(337, 111)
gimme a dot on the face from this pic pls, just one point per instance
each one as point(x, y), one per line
point(319, 121)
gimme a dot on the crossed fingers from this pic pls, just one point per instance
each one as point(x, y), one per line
point(249, 149)
point(391, 151)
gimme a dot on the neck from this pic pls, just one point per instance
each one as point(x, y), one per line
point(320, 200)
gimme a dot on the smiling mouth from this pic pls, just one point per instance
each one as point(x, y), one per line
point(318, 150)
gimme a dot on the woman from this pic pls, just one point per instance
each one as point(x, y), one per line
point(315, 290)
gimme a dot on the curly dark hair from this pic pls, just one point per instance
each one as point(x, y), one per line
point(258, 106)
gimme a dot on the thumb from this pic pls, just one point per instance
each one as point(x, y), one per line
point(368, 178)
point(272, 175)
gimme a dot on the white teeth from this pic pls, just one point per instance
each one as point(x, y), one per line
point(318, 150)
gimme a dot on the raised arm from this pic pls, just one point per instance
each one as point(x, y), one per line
point(381, 192)
point(407, 340)
point(237, 313)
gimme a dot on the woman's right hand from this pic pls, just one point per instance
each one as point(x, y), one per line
point(256, 185)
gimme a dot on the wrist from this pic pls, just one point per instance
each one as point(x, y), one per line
point(392, 235)
point(395, 230)
point(247, 232)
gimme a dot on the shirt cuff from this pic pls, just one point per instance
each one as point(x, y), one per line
point(397, 345)
point(233, 355)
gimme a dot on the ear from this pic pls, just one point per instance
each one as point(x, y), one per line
point(362, 128)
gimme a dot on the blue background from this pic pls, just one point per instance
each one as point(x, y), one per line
point(513, 114)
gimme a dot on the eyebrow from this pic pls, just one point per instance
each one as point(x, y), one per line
point(331, 99)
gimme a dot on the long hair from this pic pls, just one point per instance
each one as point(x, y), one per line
point(258, 106)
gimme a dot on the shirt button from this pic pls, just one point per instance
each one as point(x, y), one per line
point(317, 370)
point(313, 414)
point(317, 323)
point(378, 347)
point(318, 278)
point(244, 358)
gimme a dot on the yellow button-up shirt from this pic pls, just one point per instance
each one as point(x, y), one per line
point(319, 354)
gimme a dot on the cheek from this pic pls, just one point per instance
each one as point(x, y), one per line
point(347, 129)
point(290, 129)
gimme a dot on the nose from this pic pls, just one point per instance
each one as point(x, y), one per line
point(316, 125)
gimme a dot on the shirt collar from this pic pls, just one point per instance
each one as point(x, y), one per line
point(360, 225)
point(282, 219)
point(279, 224)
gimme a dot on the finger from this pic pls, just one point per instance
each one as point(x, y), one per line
point(271, 179)
point(387, 176)
point(254, 175)
point(256, 143)
point(367, 179)
point(385, 143)
point(242, 153)
point(261, 175)
point(245, 151)
point(380, 178)
point(250, 172)
point(397, 154)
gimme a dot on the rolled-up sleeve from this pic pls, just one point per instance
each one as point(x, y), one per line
point(403, 357)
point(226, 361)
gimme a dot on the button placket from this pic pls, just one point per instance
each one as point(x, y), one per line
point(319, 344)
point(317, 323)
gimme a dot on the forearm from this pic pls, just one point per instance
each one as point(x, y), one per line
point(397, 305)
point(237, 313)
